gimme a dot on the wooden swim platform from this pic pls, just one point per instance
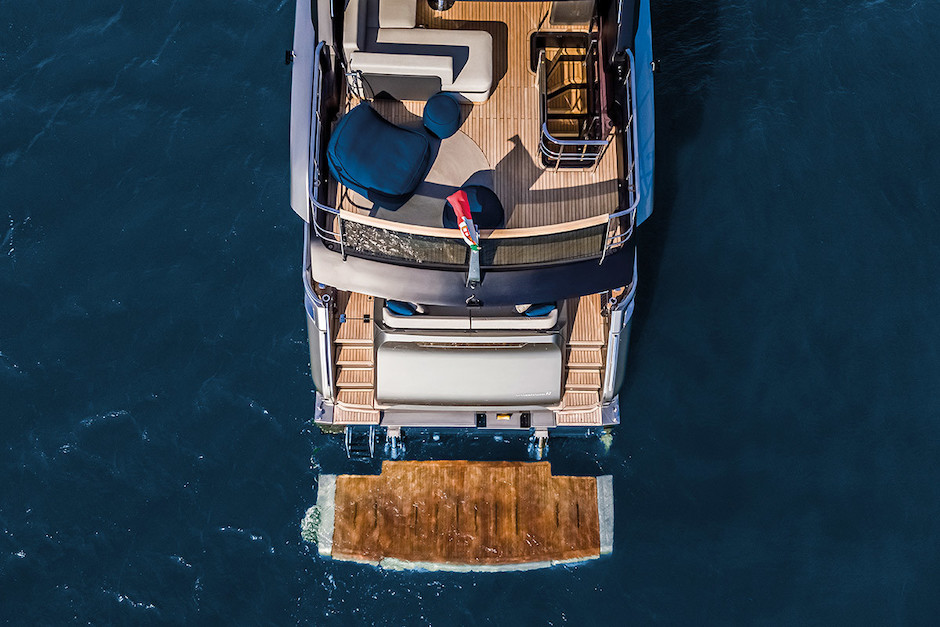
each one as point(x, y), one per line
point(463, 516)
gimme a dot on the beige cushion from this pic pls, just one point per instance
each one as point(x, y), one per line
point(424, 322)
point(379, 37)
point(475, 77)
point(403, 65)
point(515, 322)
point(355, 21)
point(397, 13)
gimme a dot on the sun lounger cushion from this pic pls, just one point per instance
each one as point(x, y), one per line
point(381, 161)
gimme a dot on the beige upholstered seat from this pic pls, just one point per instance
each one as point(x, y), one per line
point(380, 39)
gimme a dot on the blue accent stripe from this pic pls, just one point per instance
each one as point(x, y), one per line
point(643, 53)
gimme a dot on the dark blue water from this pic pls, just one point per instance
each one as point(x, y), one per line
point(778, 461)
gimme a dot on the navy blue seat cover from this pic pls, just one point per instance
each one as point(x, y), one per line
point(442, 115)
point(381, 161)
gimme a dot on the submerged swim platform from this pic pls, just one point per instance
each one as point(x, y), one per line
point(462, 516)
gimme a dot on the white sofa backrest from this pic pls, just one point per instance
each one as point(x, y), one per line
point(362, 15)
point(398, 13)
point(380, 37)
point(355, 21)
point(405, 65)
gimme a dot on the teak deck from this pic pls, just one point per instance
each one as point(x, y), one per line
point(461, 515)
point(506, 127)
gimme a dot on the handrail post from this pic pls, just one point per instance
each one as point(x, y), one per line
point(606, 242)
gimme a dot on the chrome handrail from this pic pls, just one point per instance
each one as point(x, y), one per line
point(613, 239)
point(591, 150)
point(317, 124)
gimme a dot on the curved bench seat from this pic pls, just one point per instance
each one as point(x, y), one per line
point(380, 40)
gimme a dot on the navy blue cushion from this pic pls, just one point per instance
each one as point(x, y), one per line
point(401, 308)
point(485, 209)
point(442, 115)
point(542, 309)
point(381, 161)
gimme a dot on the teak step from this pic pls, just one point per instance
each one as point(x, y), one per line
point(568, 67)
point(582, 357)
point(564, 129)
point(565, 114)
point(354, 355)
point(355, 332)
point(579, 418)
point(571, 102)
point(356, 399)
point(355, 311)
point(561, 89)
point(349, 416)
point(580, 399)
point(355, 377)
point(462, 516)
point(583, 380)
point(356, 305)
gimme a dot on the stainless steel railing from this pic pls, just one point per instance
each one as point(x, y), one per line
point(565, 153)
point(620, 224)
point(317, 188)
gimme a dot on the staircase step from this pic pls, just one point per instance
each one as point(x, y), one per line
point(585, 357)
point(356, 305)
point(356, 311)
point(350, 416)
point(356, 399)
point(583, 380)
point(353, 355)
point(361, 378)
point(585, 343)
point(561, 89)
point(580, 400)
point(354, 331)
point(562, 114)
point(564, 129)
point(586, 418)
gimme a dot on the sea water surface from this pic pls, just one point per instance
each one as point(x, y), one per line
point(778, 458)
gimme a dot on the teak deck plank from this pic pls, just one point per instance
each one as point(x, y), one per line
point(587, 325)
point(466, 513)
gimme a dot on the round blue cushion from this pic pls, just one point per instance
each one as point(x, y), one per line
point(485, 208)
point(401, 308)
point(442, 115)
point(542, 309)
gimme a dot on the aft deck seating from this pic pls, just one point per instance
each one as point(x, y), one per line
point(379, 160)
point(380, 39)
point(468, 321)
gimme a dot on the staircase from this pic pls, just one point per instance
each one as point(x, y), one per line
point(567, 93)
point(573, 124)
point(581, 404)
point(355, 362)
point(360, 442)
